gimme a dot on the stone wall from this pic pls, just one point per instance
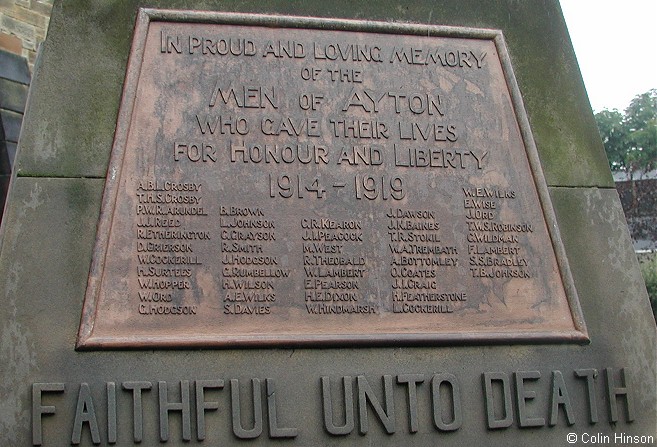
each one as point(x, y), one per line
point(23, 26)
point(639, 200)
point(14, 83)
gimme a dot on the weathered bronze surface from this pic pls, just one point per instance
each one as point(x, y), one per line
point(273, 183)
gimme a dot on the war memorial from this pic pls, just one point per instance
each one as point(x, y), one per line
point(317, 224)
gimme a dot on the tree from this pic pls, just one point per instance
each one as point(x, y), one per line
point(614, 137)
point(630, 138)
point(641, 125)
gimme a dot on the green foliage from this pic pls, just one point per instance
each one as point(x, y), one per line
point(614, 137)
point(649, 271)
point(630, 138)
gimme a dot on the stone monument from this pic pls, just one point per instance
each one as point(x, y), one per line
point(317, 224)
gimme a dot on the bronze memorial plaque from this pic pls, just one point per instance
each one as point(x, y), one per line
point(280, 181)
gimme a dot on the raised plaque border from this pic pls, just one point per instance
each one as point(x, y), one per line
point(87, 341)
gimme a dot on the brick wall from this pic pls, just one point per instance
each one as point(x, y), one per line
point(23, 25)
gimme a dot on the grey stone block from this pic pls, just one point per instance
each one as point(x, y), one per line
point(12, 95)
point(14, 68)
point(11, 122)
point(508, 394)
